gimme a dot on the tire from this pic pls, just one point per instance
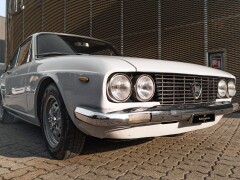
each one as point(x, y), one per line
point(5, 117)
point(62, 138)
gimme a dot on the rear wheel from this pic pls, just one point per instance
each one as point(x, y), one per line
point(5, 117)
point(62, 138)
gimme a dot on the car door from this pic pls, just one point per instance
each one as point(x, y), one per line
point(15, 80)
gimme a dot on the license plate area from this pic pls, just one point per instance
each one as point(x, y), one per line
point(202, 118)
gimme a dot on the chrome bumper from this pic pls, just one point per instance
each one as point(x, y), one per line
point(159, 114)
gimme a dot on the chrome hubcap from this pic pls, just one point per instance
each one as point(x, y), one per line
point(52, 122)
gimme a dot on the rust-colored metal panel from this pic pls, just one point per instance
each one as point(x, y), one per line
point(142, 44)
point(181, 12)
point(53, 15)
point(17, 31)
point(184, 44)
point(106, 21)
point(32, 17)
point(183, 31)
point(106, 18)
point(78, 17)
point(140, 28)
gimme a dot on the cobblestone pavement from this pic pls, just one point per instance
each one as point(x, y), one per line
point(212, 153)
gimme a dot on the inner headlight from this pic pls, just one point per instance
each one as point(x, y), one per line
point(119, 88)
point(144, 88)
point(231, 88)
point(222, 88)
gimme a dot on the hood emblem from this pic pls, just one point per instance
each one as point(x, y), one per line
point(196, 90)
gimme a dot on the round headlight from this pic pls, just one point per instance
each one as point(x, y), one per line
point(231, 88)
point(119, 88)
point(144, 88)
point(222, 88)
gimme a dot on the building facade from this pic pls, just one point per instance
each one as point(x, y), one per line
point(2, 39)
point(203, 32)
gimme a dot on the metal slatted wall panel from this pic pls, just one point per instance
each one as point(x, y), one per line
point(183, 31)
point(224, 34)
point(77, 17)
point(17, 31)
point(53, 15)
point(9, 39)
point(32, 17)
point(106, 21)
point(140, 28)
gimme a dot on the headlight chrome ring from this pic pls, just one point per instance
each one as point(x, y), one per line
point(222, 88)
point(119, 88)
point(231, 88)
point(144, 88)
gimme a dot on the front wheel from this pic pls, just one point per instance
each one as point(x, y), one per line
point(62, 138)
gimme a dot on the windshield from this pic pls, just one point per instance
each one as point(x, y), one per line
point(52, 44)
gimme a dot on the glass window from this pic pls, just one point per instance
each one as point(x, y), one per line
point(51, 44)
point(24, 54)
point(14, 59)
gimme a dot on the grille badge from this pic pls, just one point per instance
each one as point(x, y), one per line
point(196, 90)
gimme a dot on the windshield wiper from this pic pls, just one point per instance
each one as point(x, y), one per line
point(52, 54)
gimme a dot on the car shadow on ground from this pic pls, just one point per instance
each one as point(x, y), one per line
point(21, 140)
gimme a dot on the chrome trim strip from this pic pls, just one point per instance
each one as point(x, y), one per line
point(151, 115)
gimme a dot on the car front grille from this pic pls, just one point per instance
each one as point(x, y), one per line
point(174, 89)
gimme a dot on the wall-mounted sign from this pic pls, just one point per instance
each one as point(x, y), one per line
point(216, 59)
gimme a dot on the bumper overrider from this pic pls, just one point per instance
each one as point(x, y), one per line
point(154, 115)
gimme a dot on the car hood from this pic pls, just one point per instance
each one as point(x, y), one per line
point(163, 66)
point(110, 64)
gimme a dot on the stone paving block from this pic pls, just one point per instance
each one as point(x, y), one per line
point(12, 165)
point(127, 166)
point(53, 175)
point(46, 166)
point(101, 171)
point(147, 173)
point(17, 173)
point(222, 170)
point(31, 175)
point(236, 172)
point(195, 167)
point(196, 175)
point(79, 171)
point(67, 169)
point(177, 174)
point(91, 176)
point(130, 176)
point(4, 171)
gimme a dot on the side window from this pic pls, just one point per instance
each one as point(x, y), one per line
point(24, 54)
point(14, 59)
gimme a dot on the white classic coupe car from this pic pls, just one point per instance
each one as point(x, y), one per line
point(73, 86)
